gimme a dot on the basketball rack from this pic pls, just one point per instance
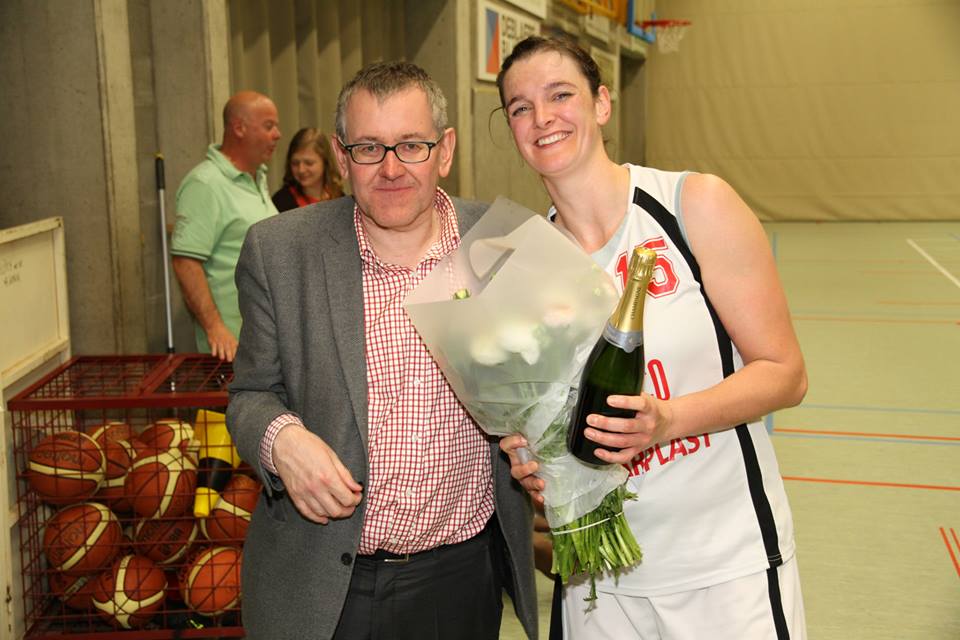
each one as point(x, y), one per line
point(118, 382)
point(89, 390)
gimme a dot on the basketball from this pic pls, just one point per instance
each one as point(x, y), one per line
point(82, 538)
point(246, 470)
point(120, 455)
point(170, 433)
point(75, 591)
point(110, 432)
point(210, 581)
point(165, 541)
point(230, 517)
point(131, 592)
point(66, 467)
point(161, 484)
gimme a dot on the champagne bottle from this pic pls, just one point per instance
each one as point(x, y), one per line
point(616, 364)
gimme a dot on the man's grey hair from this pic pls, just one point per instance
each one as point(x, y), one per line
point(383, 80)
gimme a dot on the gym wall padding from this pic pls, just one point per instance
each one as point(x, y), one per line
point(845, 110)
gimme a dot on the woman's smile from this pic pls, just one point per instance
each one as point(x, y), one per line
point(552, 138)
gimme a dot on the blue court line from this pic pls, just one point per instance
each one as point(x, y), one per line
point(840, 407)
point(817, 436)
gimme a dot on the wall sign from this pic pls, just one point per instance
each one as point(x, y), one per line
point(536, 7)
point(499, 31)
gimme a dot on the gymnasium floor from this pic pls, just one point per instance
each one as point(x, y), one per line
point(871, 458)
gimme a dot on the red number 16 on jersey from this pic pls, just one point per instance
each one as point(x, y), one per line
point(664, 281)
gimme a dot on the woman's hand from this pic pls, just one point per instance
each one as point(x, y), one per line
point(649, 426)
point(523, 472)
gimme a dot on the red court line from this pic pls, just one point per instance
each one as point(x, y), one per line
point(868, 483)
point(881, 320)
point(956, 564)
point(866, 435)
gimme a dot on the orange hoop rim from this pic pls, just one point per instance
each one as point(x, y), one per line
point(646, 24)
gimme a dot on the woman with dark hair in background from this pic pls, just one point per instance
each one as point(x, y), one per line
point(310, 173)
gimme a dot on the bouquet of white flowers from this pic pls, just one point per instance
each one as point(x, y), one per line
point(511, 317)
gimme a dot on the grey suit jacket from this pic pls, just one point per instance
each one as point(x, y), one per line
point(302, 352)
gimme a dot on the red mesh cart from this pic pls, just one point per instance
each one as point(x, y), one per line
point(107, 459)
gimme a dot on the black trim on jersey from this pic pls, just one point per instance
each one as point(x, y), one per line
point(761, 504)
point(776, 604)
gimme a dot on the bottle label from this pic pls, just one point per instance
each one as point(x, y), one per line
point(625, 340)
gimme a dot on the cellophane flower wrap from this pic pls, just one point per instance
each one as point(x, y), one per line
point(511, 317)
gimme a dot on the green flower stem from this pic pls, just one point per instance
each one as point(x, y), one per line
point(597, 542)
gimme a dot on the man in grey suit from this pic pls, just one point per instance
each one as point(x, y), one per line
point(387, 513)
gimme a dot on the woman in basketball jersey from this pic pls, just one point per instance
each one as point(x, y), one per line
point(711, 514)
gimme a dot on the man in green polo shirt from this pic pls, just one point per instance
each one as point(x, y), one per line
point(216, 203)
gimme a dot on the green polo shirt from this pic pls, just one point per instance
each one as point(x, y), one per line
point(216, 204)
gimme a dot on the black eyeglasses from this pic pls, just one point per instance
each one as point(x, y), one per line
point(408, 151)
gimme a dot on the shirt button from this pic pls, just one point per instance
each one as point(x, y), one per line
point(346, 559)
point(417, 382)
point(408, 493)
point(414, 438)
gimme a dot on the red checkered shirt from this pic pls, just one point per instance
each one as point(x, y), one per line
point(430, 480)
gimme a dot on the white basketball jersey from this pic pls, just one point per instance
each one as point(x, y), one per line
point(709, 508)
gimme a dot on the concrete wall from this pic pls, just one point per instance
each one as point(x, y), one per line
point(93, 90)
point(68, 150)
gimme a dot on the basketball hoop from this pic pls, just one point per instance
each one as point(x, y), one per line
point(667, 33)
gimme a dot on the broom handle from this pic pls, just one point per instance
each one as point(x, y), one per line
point(158, 165)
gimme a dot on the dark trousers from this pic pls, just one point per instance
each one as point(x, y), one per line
point(449, 593)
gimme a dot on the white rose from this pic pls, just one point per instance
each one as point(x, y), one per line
point(486, 351)
point(518, 337)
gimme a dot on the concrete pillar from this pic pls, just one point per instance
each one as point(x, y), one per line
point(464, 36)
point(633, 110)
point(284, 83)
point(115, 84)
point(328, 55)
point(351, 38)
point(438, 38)
point(191, 83)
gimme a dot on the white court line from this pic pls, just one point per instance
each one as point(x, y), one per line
point(926, 255)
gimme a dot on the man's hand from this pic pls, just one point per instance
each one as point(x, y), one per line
point(199, 300)
point(319, 485)
point(523, 472)
point(223, 344)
